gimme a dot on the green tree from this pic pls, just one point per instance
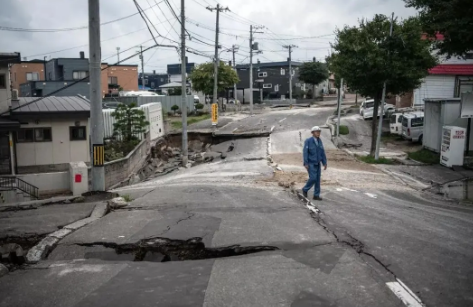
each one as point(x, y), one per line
point(366, 56)
point(129, 122)
point(176, 91)
point(313, 73)
point(202, 77)
point(451, 18)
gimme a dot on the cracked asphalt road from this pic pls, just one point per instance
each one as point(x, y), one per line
point(348, 255)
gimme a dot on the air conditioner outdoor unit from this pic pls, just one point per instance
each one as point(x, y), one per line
point(14, 94)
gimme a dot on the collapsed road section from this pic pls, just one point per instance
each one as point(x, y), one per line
point(160, 249)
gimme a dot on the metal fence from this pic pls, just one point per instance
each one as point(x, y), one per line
point(166, 101)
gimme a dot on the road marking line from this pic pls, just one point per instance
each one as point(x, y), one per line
point(404, 294)
point(350, 190)
point(272, 128)
point(371, 195)
point(235, 129)
point(339, 190)
point(282, 119)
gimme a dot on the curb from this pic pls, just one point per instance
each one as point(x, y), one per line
point(33, 204)
point(40, 250)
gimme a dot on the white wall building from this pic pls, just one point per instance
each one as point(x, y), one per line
point(447, 80)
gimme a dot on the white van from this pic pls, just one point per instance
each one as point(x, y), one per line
point(413, 126)
point(368, 107)
point(395, 123)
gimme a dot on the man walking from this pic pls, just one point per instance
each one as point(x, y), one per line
point(314, 155)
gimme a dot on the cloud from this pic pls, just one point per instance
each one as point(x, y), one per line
point(284, 21)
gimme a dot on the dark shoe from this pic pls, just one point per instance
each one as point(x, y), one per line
point(317, 198)
point(304, 193)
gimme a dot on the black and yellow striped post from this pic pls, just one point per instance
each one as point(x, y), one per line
point(99, 155)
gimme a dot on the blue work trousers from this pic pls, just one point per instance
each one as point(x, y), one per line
point(314, 179)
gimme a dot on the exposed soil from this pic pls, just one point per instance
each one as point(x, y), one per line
point(335, 159)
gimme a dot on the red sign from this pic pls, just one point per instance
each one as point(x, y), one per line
point(78, 178)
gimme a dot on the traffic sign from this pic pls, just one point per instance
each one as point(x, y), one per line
point(214, 114)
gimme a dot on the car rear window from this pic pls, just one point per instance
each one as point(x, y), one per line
point(417, 122)
point(369, 105)
point(392, 119)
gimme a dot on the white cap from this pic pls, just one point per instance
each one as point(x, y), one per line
point(315, 128)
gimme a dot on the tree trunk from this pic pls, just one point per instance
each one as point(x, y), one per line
point(314, 96)
point(374, 125)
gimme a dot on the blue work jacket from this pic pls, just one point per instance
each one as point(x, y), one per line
point(313, 153)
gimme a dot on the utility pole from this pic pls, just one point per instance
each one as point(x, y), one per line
point(96, 121)
point(234, 50)
point(340, 97)
point(118, 55)
point(216, 59)
point(289, 47)
point(142, 68)
point(185, 153)
point(383, 97)
point(253, 46)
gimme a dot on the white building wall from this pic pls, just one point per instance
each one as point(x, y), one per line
point(5, 93)
point(435, 86)
point(60, 150)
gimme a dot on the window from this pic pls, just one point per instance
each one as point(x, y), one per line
point(417, 122)
point(262, 74)
point(3, 81)
point(32, 76)
point(50, 76)
point(267, 85)
point(42, 135)
point(78, 133)
point(77, 75)
point(283, 71)
point(146, 81)
point(276, 88)
point(469, 56)
point(112, 80)
point(25, 135)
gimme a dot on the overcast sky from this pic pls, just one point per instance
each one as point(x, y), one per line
point(308, 24)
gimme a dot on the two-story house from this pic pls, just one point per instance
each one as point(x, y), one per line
point(39, 137)
point(270, 80)
point(174, 71)
point(153, 81)
point(61, 72)
point(26, 71)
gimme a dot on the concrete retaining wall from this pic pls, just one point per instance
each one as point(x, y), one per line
point(48, 183)
point(120, 170)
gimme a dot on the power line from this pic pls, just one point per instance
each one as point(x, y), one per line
point(72, 48)
point(3, 28)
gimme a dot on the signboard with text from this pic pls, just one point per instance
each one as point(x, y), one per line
point(214, 114)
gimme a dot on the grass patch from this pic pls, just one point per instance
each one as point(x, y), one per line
point(344, 130)
point(371, 160)
point(176, 123)
point(425, 156)
point(389, 138)
point(127, 198)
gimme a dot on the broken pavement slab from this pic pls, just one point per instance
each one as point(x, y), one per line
point(117, 203)
point(39, 251)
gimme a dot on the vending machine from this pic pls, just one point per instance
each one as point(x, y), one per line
point(453, 146)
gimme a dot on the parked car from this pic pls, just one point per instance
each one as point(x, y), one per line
point(368, 107)
point(413, 126)
point(395, 123)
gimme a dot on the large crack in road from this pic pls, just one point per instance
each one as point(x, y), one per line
point(160, 249)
